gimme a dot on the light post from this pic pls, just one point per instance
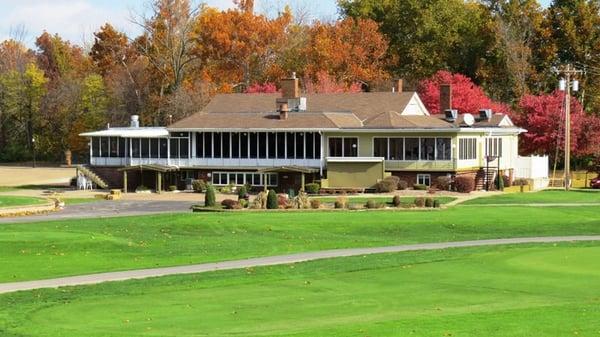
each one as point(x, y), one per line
point(566, 84)
point(33, 150)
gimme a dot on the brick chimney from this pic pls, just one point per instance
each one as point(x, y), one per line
point(290, 87)
point(445, 97)
point(398, 86)
point(283, 111)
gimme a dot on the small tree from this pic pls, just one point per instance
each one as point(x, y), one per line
point(272, 200)
point(242, 193)
point(209, 197)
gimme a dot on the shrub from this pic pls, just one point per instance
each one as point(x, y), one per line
point(402, 185)
point(243, 203)
point(315, 203)
point(429, 202)
point(199, 185)
point(243, 193)
point(464, 184)
point(260, 202)
point(300, 201)
point(397, 201)
point(389, 184)
point(209, 197)
point(230, 204)
point(312, 188)
point(371, 204)
point(172, 188)
point(500, 183)
point(420, 202)
point(272, 200)
point(507, 182)
point(341, 202)
point(442, 183)
point(436, 204)
point(419, 187)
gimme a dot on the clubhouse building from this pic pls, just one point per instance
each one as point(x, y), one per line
point(342, 140)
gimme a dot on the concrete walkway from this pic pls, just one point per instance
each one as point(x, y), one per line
point(270, 261)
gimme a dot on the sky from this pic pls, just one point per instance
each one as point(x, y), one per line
point(77, 20)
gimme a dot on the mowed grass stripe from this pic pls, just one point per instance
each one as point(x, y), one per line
point(537, 290)
point(13, 201)
point(76, 247)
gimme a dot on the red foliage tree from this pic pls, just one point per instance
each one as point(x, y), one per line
point(467, 97)
point(265, 88)
point(327, 84)
point(543, 117)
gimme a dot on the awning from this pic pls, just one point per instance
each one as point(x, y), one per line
point(290, 169)
point(147, 167)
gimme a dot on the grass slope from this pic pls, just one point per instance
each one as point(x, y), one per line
point(52, 249)
point(536, 291)
point(11, 201)
point(388, 200)
point(543, 197)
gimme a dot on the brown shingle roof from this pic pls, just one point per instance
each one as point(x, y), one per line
point(495, 121)
point(254, 120)
point(394, 120)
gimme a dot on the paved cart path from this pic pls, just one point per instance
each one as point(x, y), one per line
point(270, 261)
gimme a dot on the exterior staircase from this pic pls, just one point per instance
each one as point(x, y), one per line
point(484, 176)
point(89, 174)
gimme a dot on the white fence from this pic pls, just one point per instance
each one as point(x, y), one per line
point(534, 168)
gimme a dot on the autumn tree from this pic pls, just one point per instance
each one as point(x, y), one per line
point(327, 84)
point(350, 50)
point(467, 97)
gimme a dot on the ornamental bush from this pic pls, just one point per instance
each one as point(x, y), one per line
point(442, 183)
point(312, 188)
point(402, 185)
point(199, 185)
point(419, 202)
point(397, 201)
point(243, 193)
point(272, 200)
point(464, 184)
point(436, 204)
point(315, 203)
point(419, 187)
point(209, 197)
point(341, 202)
point(389, 184)
point(230, 204)
point(428, 202)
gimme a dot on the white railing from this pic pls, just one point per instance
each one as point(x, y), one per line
point(205, 162)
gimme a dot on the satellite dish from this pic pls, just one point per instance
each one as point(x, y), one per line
point(468, 119)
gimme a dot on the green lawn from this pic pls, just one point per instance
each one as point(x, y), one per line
point(542, 197)
point(519, 291)
point(388, 200)
point(11, 201)
point(71, 247)
point(76, 201)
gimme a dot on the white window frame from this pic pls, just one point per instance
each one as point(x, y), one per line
point(263, 176)
point(343, 146)
point(422, 177)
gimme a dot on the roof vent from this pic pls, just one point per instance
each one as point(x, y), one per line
point(135, 121)
point(283, 111)
point(485, 114)
point(451, 114)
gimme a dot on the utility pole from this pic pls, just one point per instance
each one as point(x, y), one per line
point(565, 85)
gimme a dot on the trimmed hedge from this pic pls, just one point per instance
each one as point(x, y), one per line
point(464, 184)
point(272, 200)
point(312, 188)
point(419, 187)
point(209, 197)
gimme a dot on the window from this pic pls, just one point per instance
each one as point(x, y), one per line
point(200, 144)
point(145, 147)
point(262, 145)
point(291, 145)
point(163, 148)
point(300, 145)
point(396, 149)
point(179, 143)
point(244, 145)
point(226, 144)
point(411, 149)
point(310, 145)
point(114, 146)
point(253, 145)
point(350, 147)
point(135, 147)
point(235, 145)
point(443, 148)
point(174, 148)
point(336, 147)
point(493, 147)
point(280, 145)
point(380, 147)
point(272, 144)
point(183, 148)
point(208, 144)
point(243, 178)
point(217, 145)
point(427, 148)
point(122, 147)
point(104, 147)
point(424, 179)
point(317, 146)
point(154, 148)
point(467, 148)
point(95, 147)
